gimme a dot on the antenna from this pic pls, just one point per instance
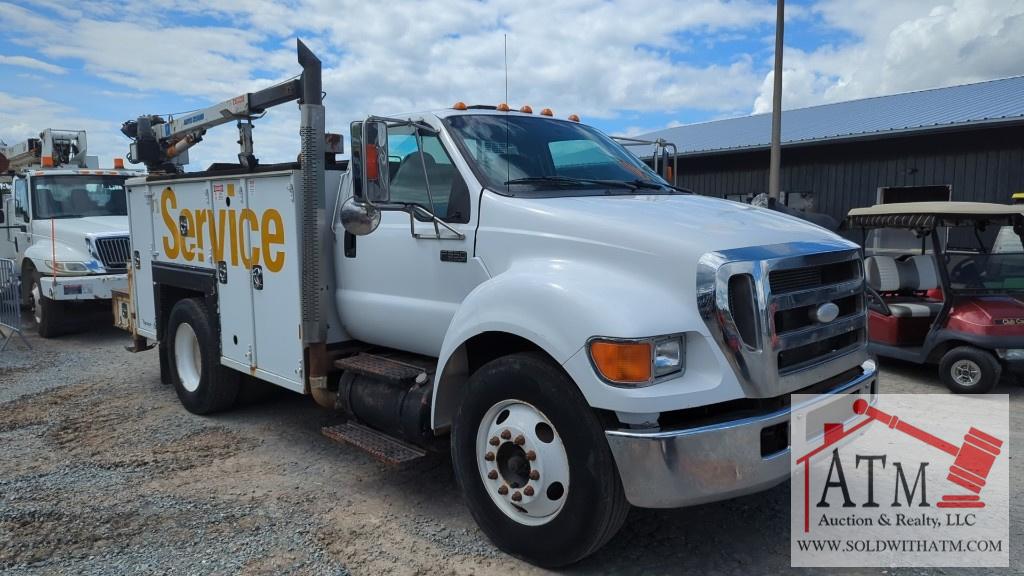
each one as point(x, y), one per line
point(506, 67)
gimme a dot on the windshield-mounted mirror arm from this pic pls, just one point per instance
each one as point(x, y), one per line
point(394, 122)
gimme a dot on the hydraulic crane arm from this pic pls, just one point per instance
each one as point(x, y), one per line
point(162, 145)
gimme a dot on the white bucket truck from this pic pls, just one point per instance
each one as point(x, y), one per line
point(584, 336)
point(65, 224)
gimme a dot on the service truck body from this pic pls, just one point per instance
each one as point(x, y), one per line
point(507, 316)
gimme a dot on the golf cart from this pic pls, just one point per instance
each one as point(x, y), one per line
point(946, 286)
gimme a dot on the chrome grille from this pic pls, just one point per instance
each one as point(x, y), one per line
point(113, 252)
point(793, 350)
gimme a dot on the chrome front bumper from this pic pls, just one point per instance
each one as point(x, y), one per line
point(91, 287)
point(671, 469)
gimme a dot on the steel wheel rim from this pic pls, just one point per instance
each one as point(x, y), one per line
point(187, 359)
point(37, 303)
point(522, 462)
point(966, 372)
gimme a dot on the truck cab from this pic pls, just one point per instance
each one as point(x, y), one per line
point(66, 228)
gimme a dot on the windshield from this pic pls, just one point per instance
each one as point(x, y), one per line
point(519, 155)
point(993, 261)
point(78, 196)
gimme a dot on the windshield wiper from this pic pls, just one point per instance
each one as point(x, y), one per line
point(659, 186)
point(565, 180)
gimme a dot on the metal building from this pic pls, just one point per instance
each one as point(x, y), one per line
point(958, 143)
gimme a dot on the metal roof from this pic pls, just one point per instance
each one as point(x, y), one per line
point(991, 102)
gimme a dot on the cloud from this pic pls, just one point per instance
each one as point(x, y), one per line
point(24, 117)
point(27, 62)
point(902, 46)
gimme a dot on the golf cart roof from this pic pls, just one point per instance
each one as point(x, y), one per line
point(925, 214)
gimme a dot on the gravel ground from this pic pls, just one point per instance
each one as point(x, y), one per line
point(103, 472)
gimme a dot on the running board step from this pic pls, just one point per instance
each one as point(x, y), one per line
point(383, 368)
point(387, 449)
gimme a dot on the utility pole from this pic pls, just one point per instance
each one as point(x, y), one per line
point(776, 156)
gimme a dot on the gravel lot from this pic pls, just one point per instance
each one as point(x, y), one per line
point(102, 471)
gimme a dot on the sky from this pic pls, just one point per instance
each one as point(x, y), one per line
point(625, 66)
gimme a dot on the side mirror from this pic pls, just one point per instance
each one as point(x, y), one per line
point(375, 173)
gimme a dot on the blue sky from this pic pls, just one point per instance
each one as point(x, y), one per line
point(624, 66)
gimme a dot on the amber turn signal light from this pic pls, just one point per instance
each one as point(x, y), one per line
point(622, 362)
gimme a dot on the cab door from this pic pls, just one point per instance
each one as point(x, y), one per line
point(400, 290)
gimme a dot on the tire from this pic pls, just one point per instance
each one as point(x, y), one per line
point(48, 314)
point(969, 370)
point(513, 392)
point(202, 384)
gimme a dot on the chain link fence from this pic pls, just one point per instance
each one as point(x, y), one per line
point(10, 305)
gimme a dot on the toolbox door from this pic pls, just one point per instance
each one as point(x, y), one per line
point(228, 252)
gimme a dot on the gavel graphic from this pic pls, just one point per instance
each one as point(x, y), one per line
point(972, 461)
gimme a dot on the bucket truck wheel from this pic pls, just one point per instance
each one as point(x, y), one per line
point(969, 370)
point(533, 462)
point(202, 384)
point(48, 314)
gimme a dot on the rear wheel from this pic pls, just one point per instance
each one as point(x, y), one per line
point(533, 462)
point(202, 384)
point(969, 370)
point(48, 313)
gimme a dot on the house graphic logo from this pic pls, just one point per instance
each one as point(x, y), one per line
point(866, 470)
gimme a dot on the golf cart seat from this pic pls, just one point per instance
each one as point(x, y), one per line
point(915, 274)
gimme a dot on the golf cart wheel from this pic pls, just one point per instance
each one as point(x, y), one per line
point(969, 370)
point(48, 314)
point(533, 463)
point(202, 384)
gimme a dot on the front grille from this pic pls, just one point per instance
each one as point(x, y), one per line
point(794, 279)
point(113, 252)
point(774, 337)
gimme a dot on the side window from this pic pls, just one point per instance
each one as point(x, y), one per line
point(412, 169)
point(21, 198)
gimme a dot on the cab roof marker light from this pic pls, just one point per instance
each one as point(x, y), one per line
point(503, 107)
point(459, 106)
point(547, 112)
point(526, 109)
point(574, 118)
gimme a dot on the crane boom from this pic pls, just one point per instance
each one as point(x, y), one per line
point(51, 149)
point(162, 145)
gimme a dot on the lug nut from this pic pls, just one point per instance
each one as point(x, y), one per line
point(516, 496)
point(494, 441)
point(520, 440)
point(503, 490)
point(528, 490)
point(493, 474)
point(505, 434)
point(531, 455)
point(534, 475)
point(489, 456)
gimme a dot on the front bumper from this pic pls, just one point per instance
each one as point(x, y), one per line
point(96, 287)
point(671, 469)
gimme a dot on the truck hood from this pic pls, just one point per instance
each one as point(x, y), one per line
point(82, 227)
point(678, 228)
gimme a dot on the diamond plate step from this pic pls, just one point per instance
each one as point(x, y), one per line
point(381, 367)
point(387, 449)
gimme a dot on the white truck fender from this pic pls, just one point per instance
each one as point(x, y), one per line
point(552, 304)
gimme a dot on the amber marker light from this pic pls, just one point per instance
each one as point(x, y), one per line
point(622, 362)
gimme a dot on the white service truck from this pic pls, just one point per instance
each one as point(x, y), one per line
point(583, 335)
point(65, 225)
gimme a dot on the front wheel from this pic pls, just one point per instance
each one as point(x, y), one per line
point(969, 370)
point(202, 384)
point(48, 313)
point(533, 462)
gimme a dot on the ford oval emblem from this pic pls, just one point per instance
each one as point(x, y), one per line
point(825, 313)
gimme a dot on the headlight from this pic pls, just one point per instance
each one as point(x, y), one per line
point(637, 362)
point(67, 267)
